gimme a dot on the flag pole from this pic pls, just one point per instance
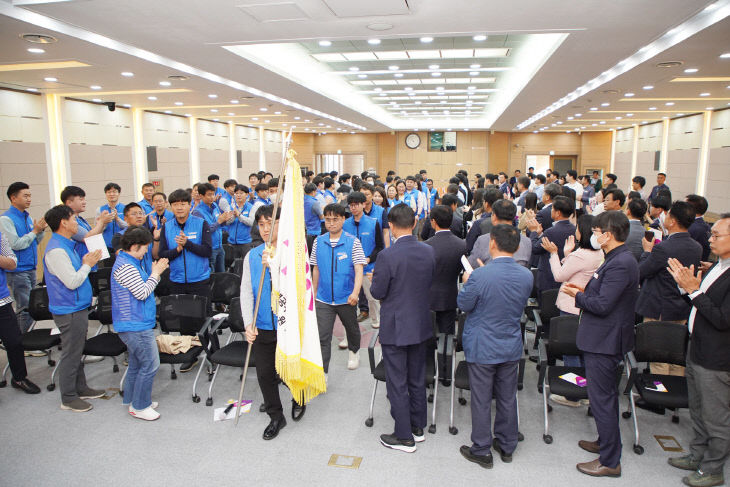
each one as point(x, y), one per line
point(284, 158)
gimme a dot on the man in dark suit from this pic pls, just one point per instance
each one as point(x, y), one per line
point(456, 227)
point(635, 211)
point(402, 282)
point(708, 362)
point(544, 216)
point(700, 229)
point(605, 334)
point(448, 249)
point(484, 224)
point(561, 229)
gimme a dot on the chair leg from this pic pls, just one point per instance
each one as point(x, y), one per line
point(638, 449)
point(121, 383)
point(452, 429)
point(173, 374)
point(196, 397)
point(115, 367)
point(546, 392)
point(209, 401)
point(369, 421)
point(432, 427)
point(52, 385)
point(521, 374)
point(4, 381)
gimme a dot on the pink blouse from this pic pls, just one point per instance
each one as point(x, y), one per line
point(577, 268)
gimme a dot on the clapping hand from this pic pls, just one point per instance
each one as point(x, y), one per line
point(549, 246)
point(534, 226)
point(92, 258)
point(159, 267)
point(181, 240)
point(685, 277)
point(156, 230)
point(39, 225)
point(569, 245)
point(571, 289)
point(647, 245)
point(107, 217)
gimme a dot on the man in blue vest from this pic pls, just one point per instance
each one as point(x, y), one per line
point(148, 190)
point(69, 298)
point(376, 211)
point(313, 215)
point(185, 241)
point(337, 262)
point(24, 235)
point(116, 209)
point(134, 217)
point(239, 234)
point(160, 214)
point(9, 330)
point(75, 198)
point(209, 211)
point(262, 199)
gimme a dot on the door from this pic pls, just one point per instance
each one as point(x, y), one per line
point(563, 164)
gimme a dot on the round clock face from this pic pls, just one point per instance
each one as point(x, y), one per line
point(413, 140)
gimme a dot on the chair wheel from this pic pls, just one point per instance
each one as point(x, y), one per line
point(51, 387)
point(547, 439)
point(115, 368)
point(550, 408)
point(210, 377)
point(209, 401)
point(520, 387)
point(462, 401)
point(520, 436)
point(3, 383)
point(638, 449)
point(220, 332)
point(453, 430)
point(173, 375)
point(432, 429)
point(539, 388)
point(51, 363)
point(589, 412)
point(369, 422)
point(675, 419)
point(430, 398)
point(196, 398)
point(626, 414)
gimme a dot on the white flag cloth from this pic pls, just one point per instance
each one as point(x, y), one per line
point(298, 353)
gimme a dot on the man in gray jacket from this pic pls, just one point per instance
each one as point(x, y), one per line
point(636, 209)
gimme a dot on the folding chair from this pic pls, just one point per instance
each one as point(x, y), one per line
point(224, 286)
point(237, 268)
point(163, 287)
point(232, 354)
point(101, 280)
point(38, 340)
point(546, 311)
point(657, 341)
point(185, 314)
point(107, 344)
point(229, 255)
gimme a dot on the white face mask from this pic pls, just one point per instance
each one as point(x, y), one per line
point(595, 243)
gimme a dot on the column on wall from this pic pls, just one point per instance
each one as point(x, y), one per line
point(232, 166)
point(194, 152)
point(57, 159)
point(704, 152)
point(262, 149)
point(665, 146)
point(634, 153)
point(139, 153)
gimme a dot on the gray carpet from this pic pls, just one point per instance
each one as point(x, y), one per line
point(44, 445)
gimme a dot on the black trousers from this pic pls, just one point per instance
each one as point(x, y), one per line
point(265, 354)
point(12, 341)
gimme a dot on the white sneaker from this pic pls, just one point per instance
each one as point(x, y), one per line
point(153, 406)
point(148, 414)
point(375, 325)
point(563, 401)
point(354, 360)
point(343, 343)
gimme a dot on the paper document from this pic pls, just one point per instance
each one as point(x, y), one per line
point(96, 242)
point(220, 414)
point(55, 331)
point(658, 387)
point(574, 379)
point(465, 263)
point(220, 316)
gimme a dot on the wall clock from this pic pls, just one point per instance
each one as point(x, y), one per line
point(413, 140)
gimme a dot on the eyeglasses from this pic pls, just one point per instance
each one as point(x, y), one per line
point(716, 235)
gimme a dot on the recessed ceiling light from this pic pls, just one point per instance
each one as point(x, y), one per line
point(398, 75)
point(178, 103)
point(605, 104)
point(417, 102)
point(277, 113)
point(602, 122)
point(593, 109)
point(647, 87)
point(362, 76)
point(475, 66)
point(354, 68)
point(214, 110)
point(325, 43)
point(436, 74)
point(393, 68)
point(629, 114)
point(50, 79)
point(383, 94)
point(33, 89)
point(307, 120)
point(433, 66)
point(559, 123)
point(96, 100)
point(669, 103)
point(680, 114)
point(95, 87)
point(152, 98)
point(284, 125)
point(704, 94)
point(377, 90)
point(373, 42)
point(321, 124)
point(709, 108)
point(234, 101)
point(725, 55)
point(426, 40)
point(473, 73)
point(165, 83)
point(578, 114)
point(231, 114)
point(628, 95)
point(215, 119)
point(264, 109)
point(255, 118)
point(127, 74)
point(36, 50)
point(168, 111)
point(691, 70)
point(127, 105)
point(408, 88)
point(618, 118)
point(652, 108)
point(479, 38)
point(212, 95)
point(570, 118)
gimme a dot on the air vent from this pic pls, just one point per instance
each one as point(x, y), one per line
point(274, 12)
point(178, 77)
point(38, 38)
point(610, 92)
point(669, 64)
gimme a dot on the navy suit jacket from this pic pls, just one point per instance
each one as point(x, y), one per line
point(557, 234)
point(607, 304)
point(544, 217)
point(448, 249)
point(402, 282)
point(660, 297)
point(700, 231)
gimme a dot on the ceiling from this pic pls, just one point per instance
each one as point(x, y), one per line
point(259, 60)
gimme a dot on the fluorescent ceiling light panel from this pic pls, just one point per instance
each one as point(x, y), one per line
point(424, 54)
point(457, 53)
point(708, 79)
point(329, 57)
point(359, 56)
point(44, 65)
point(385, 82)
point(492, 52)
point(366, 82)
point(391, 55)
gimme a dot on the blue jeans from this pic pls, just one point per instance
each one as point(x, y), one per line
point(572, 360)
point(144, 360)
point(21, 283)
point(218, 260)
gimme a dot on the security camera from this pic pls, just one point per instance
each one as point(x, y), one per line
point(111, 106)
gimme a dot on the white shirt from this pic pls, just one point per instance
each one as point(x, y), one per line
point(708, 281)
point(578, 188)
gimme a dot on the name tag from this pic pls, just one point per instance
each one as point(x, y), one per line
point(192, 235)
point(341, 256)
point(365, 233)
point(595, 275)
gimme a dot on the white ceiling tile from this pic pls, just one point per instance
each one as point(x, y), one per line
point(359, 56)
point(329, 57)
point(491, 52)
point(457, 53)
point(424, 54)
point(391, 55)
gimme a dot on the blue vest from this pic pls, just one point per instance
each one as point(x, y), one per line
point(4, 291)
point(364, 230)
point(266, 319)
point(311, 219)
point(80, 247)
point(128, 312)
point(238, 232)
point(146, 259)
point(231, 202)
point(432, 196)
point(167, 215)
point(329, 193)
point(62, 300)
point(336, 270)
point(188, 266)
point(28, 257)
point(376, 212)
point(146, 207)
point(210, 214)
point(111, 228)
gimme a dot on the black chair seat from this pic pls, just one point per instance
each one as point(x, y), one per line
point(181, 358)
point(105, 345)
point(379, 373)
point(461, 376)
point(233, 355)
point(675, 397)
point(563, 387)
point(40, 340)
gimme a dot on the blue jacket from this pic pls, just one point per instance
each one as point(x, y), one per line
point(311, 219)
point(238, 232)
point(607, 317)
point(28, 257)
point(80, 247)
point(494, 298)
point(111, 228)
point(402, 281)
point(187, 266)
point(365, 231)
point(336, 270)
point(128, 312)
point(146, 207)
point(4, 291)
point(210, 214)
point(62, 300)
point(167, 215)
point(266, 319)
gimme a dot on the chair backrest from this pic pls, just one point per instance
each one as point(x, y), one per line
point(660, 341)
point(224, 286)
point(229, 254)
point(104, 308)
point(183, 313)
point(535, 292)
point(235, 319)
point(460, 332)
point(563, 332)
point(108, 262)
point(548, 307)
point(237, 267)
point(163, 287)
point(101, 280)
point(38, 304)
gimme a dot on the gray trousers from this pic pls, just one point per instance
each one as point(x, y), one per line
point(71, 378)
point(326, 314)
point(709, 408)
point(498, 381)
